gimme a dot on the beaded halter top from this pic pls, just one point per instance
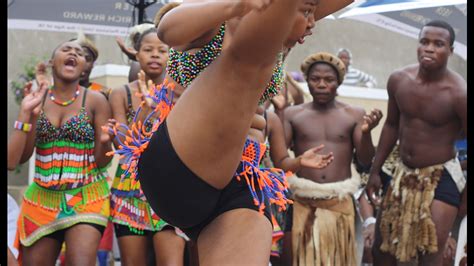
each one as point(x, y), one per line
point(184, 67)
point(65, 154)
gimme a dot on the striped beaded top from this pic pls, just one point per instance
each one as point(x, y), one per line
point(65, 155)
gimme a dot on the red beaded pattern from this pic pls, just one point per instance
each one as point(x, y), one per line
point(66, 103)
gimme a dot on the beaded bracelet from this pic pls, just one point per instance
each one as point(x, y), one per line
point(25, 127)
point(369, 221)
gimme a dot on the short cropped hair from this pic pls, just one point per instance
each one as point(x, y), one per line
point(444, 25)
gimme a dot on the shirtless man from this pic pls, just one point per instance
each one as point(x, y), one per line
point(323, 197)
point(427, 110)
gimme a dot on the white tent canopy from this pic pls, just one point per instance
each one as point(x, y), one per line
point(371, 7)
point(408, 16)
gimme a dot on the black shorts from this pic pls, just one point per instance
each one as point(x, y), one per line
point(179, 196)
point(447, 191)
point(124, 230)
point(60, 234)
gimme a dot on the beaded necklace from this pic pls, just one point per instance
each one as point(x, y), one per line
point(66, 103)
point(184, 67)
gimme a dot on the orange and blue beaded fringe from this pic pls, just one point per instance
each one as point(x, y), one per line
point(263, 183)
point(135, 140)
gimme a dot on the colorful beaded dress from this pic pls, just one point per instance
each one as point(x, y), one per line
point(128, 205)
point(68, 186)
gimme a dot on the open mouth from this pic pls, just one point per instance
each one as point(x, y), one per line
point(71, 62)
point(302, 39)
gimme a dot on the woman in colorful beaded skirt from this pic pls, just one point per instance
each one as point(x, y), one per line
point(69, 197)
point(134, 221)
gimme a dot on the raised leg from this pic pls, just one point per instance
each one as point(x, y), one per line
point(210, 121)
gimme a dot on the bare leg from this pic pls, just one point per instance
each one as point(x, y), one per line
point(82, 243)
point(44, 252)
point(380, 257)
point(210, 121)
point(443, 216)
point(240, 236)
point(169, 248)
point(132, 250)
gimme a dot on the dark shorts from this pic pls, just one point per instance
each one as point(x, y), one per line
point(447, 191)
point(124, 230)
point(289, 219)
point(179, 196)
point(60, 234)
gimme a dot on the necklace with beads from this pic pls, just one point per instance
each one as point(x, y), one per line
point(66, 103)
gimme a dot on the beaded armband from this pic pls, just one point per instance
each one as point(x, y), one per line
point(184, 67)
point(275, 84)
point(25, 127)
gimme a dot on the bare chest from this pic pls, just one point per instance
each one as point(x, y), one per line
point(431, 105)
point(335, 126)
